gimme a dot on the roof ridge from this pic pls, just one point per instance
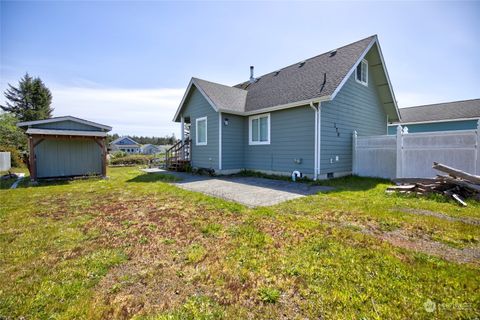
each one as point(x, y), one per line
point(439, 103)
point(220, 84)
point(316, 56)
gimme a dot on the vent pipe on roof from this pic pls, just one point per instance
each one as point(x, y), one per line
point(252, 78)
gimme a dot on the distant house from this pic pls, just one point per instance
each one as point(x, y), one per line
point(297, 118)
point(456, 115)
point(66, 147)
point(125, 144)
point(150, 149)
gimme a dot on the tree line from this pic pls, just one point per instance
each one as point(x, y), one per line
point(31, 100)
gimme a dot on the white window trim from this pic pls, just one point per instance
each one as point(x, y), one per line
point(250, 119)
point(196, 131)
point(366, 73)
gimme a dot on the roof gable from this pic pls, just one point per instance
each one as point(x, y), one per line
point(314, 80)
point(67, 123)
point(219, 96)
point(122, 141)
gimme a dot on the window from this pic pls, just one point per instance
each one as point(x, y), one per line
point(259, 129)
point(361, 73)
point(201, 131)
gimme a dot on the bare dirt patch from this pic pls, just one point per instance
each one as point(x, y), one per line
point(471, 221)
point(158, 236)
point(418, 243)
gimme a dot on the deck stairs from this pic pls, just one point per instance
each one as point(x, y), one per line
point(178, 157)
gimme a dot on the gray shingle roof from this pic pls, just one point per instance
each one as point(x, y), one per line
point(297, 83)
point(224, 97)
point(314, 78)
point(442, 111)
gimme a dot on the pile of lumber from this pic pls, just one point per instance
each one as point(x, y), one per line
point(453, 183)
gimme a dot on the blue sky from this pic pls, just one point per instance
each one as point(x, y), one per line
point(126, 64)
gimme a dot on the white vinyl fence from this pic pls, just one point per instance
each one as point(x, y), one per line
point(5, 163)
point(411, 155)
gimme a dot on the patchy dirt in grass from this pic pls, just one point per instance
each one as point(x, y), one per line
point(420, 243)
point(170, 249)
point(471, 221)
point(400, 239)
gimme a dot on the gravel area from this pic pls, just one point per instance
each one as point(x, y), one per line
point(250, 191)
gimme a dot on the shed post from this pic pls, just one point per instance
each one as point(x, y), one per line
point(104, 157)
point(103, 148)
point(31, 159)
point(399, 167)
point(354, 152)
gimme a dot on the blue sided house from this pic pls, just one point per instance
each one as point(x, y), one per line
point(456, 115)
point(125, 144)
point(297, 118)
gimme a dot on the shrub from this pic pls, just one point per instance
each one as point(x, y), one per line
point(118, 154)
point(137, 159)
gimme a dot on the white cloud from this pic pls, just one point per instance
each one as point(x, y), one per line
point(128, 111)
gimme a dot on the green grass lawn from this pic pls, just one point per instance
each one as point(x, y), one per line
point(133, 246)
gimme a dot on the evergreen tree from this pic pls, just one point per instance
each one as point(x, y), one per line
point(30, 101)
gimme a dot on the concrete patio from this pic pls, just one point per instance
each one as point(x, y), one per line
point(249, 191)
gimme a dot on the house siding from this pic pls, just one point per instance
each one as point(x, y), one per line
point(291, 137)
point(356, 107)
point(233, 141)
point(437, 126)
point(196, 107)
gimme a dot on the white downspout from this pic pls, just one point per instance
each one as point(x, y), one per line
point(319, 137)
point(315, 163)
point(220, 141)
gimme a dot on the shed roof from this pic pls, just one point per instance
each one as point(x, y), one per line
point(64, 118)
point(465, 109)
point(53, 132)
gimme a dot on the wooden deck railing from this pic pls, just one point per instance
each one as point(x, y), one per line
point(179, 155)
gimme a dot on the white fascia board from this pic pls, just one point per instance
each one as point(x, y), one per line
point(183, 100)
point(388, 78)
point(362, 56)
point(279, 107)
point(248, 113)
point(52, 132)
point(193, 82)
point(394, 124)
point(350, 72)
point(65, 118)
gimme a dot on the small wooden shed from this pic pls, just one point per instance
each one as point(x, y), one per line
point(66, 147)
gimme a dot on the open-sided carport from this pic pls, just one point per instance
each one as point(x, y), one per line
point(66, 147)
